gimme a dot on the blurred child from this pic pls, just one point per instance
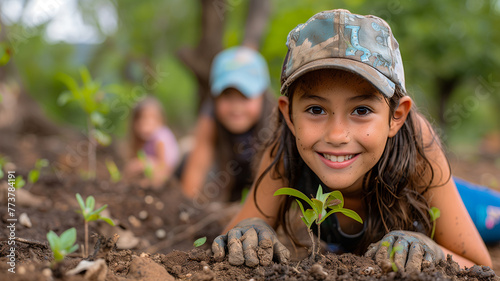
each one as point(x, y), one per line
point(230, 128)
point(347, 123)
point(153, 147)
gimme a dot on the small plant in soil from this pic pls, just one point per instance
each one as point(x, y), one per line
point(200, 241)
point(89, 214)
point(435, 214)
point(148, 168)
point(334, 201)
point(19, 182)
point(3, 161)
point(90, 98)
point(34, 174)
point(113, 171)
point(62, 245)
point(391, 255)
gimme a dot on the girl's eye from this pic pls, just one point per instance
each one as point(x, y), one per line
point(316, 110)
point(362, 111)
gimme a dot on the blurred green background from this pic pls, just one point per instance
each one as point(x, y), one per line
point(449, 47)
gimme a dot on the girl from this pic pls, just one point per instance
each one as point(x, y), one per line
point(231, 129)
point(150, 136)
point(347, 123)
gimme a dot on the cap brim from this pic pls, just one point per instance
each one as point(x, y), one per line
point(377, 79)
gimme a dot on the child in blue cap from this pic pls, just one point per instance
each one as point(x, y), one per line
point(231, 128)
point(347, 123)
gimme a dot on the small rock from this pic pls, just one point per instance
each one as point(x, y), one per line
point(143, 214)
point(317, 272)
point(149, 199)
point(147, 269)
point(21, 270)
point(47, 272)
point(368, 271)
point(160, 233)
point(25, 220)
point(159, 205)
point(92, 270)
point(134, 221)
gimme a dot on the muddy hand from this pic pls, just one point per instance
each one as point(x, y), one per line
point(412, 249)
point(252, 242)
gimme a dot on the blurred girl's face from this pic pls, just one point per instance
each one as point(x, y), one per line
point(237, 113)
point(149, 120)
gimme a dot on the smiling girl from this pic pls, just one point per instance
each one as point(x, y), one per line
point(348, 124)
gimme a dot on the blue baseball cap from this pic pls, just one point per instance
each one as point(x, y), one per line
point(241, 68)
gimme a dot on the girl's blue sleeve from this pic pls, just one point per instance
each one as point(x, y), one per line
point(483, 205)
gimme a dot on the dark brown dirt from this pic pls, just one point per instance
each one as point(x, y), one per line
point(161, 226)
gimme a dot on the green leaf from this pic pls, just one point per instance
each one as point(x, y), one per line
point(4, 54)
point(97, 119)
point(90, 203)
point(68, 238)
point(53, 240)
point(72, 249)
point(101, 137)
point(295, 193)
point(352, 214)
point(200, 241)
point(317, 206)
point(19, 182)
point(309, 217)
point(319, 193)
point(64, 98)
point(300, 206)
point(41, 163)
point(98, 211)
point(334, 196)
point(435, 213)
point(33, 176)
point(108, 220)
point(1, 172)
point(80, 202)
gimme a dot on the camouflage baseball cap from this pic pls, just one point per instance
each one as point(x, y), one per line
point(338, 39)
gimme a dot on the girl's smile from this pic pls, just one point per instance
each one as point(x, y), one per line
point(341, 125)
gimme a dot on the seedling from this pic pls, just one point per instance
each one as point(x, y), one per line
point(34, 174)
point(391, 255)
point(90, 98)
point(148, 168)
point(62, 245)
point(19, 182)
point(113, 170)
point(323, 201)
point(200, 241)
point(435, 214)
point(3, 160)
point(89, 214)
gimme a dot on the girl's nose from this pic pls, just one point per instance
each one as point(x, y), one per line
point(337, 132)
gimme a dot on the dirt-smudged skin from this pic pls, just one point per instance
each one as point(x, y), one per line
point(414, 264)
point(250, 248)
point(235, 248)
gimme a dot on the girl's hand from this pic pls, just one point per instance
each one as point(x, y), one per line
point(252, 241)
point(413, 249)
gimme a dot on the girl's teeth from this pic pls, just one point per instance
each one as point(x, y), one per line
point(339, 159)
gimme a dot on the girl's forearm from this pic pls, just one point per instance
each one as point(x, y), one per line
point(463, 262)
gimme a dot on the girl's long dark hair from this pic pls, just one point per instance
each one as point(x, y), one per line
point(393, 189)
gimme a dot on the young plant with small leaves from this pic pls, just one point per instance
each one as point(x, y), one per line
point(324, 205)
point(34, 174)
point(148, 168)
point(200, 241)
point(113, 170)
point(89, 214)
point(435, 214)
point(19, 182)
point(392, 253)
point(90, 98)
point(62, 245)
point(3, 161)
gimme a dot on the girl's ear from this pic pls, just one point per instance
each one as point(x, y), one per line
point(400, 115)
point(284, 106)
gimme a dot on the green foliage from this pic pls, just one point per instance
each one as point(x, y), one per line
point(19, 182)
point(148, 167)
point(88, 212)
point(200, 241)
point(3, 161)
point(113, 170)
point(319, 206)
point(63, 245)
point(435, 213)
point(35, 173)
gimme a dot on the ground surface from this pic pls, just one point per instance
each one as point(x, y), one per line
point(157, 228)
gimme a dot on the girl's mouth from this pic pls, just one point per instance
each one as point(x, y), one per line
point(338, 161)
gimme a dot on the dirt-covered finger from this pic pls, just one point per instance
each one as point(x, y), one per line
point(384, 250)
point(265, 251)
point(372, 250)
point(415, 257)
point(249, 242)
point(235, 248)
point(219, 247)
point(400, 253)
point(281, 253)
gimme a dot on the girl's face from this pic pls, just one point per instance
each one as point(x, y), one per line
point(237, 113)
point(149, 120)
point(341, 125)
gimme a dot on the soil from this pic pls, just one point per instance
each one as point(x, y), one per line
point(156, 228)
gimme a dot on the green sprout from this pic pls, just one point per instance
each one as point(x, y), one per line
point(148, 168)
point(19, 182)
point(62, 245)
point(113, 170)
point(435, 214)
point(200, 241)
point(90, 98)
point(3, 161)
point(323, 201)
point(89, 214)
point(34, 174)
point(391, 255)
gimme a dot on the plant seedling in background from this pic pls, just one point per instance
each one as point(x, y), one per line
point(62, 245)
point(148, 168)
point(435, 214)
point(323, 201)
point(90, 98)
point(200, 241)
point(3, 161)
point(113, 170)
point(19, 182)
point(34, 174)
point(89, 214)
